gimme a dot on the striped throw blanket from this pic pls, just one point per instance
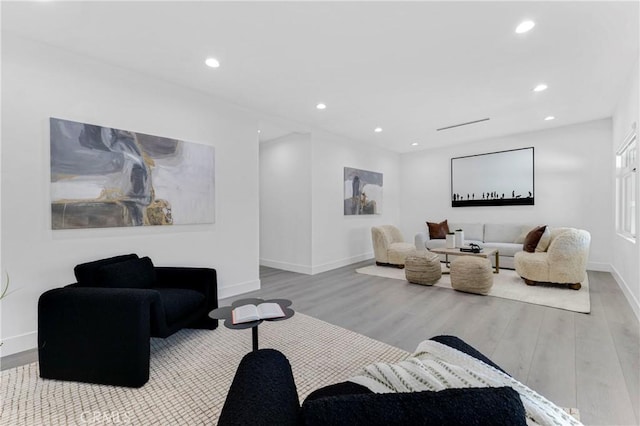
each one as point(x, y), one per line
point(435, 366)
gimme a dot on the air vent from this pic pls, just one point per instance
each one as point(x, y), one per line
point(462, 124)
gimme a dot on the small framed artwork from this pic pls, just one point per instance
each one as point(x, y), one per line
point(362, 192)
point(503, 178)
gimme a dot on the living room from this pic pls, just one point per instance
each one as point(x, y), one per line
point(58, 61)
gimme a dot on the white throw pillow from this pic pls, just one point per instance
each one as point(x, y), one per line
point(545, 240)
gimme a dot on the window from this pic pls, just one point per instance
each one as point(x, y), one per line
point(626, 186)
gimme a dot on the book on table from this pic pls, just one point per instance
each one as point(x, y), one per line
point(248, 313)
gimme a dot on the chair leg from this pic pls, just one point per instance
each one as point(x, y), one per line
point(576, 286)
point(529, 282)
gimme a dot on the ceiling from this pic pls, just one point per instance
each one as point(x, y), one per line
point(408, 67)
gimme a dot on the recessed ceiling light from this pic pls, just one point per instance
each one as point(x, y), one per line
point(414, 144)
point(212, 62)
point(540, 87)
point(259, 130)
point(377, 129)
point(321, 106)
point(549, 118)
point(525, 26)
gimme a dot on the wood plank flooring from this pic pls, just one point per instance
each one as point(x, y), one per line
point(591, 362)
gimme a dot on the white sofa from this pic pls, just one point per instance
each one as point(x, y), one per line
point(507, 238)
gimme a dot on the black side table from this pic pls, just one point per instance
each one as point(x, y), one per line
point(224, 313)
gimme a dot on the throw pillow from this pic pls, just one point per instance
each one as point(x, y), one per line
point(438, 231)
point(532, 239)
point(545, 240)
point(86, 273)
point(520, 238)
point(458, 406)
point(134, 273)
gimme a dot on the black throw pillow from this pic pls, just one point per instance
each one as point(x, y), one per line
point(86, 273)
point(134, 273)
point(451, 407)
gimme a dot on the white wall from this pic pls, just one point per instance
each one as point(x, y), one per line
point(40, 81)
point(626, 254)
point(285, 203)
point(340, 240)
point(572, 184)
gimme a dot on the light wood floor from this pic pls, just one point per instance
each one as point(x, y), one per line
point(591, 362)
point(588, 361)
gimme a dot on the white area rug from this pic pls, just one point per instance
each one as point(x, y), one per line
point(508, 285)
point(190, 375)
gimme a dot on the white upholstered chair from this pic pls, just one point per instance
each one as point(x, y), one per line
point(389, 247)
point(564, 262)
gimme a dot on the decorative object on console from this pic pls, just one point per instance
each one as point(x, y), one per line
point(362, 192)
point(106, 177)
point(459, 237)
point(501, 178)
point(564, 262)
point(451, 240)
point(389, 247)
point(97, 330)
point(438, 231)
point(471, 248)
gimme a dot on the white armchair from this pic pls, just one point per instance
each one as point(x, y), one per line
point(389, 247)
point(564, 262)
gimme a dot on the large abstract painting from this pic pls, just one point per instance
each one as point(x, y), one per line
point(504, 178)
point(362, 192)
point(105, 177)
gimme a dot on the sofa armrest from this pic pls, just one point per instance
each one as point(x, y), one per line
point(95, 335)
point(203, 280)
point(263, 392)
point(421, 239)
point(568, 255)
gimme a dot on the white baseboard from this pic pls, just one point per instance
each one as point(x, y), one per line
point(599, 266)
point(633, 302)
point(285, 266)
point(340, 263)
point(316, 269)
point(240, 288)
point(20, 343)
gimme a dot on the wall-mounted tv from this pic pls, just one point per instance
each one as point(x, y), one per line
point(503, 178)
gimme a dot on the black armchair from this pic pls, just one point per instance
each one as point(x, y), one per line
point(98, 330)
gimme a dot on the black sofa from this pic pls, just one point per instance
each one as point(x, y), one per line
point(98, 330)
point(263, 392)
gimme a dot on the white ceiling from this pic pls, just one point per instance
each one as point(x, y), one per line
point(408, 67)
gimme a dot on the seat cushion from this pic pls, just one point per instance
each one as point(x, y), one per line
point(179, 302)
point(447, 407)
point(502, 233)
point(86, 272)
point(134, 273)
